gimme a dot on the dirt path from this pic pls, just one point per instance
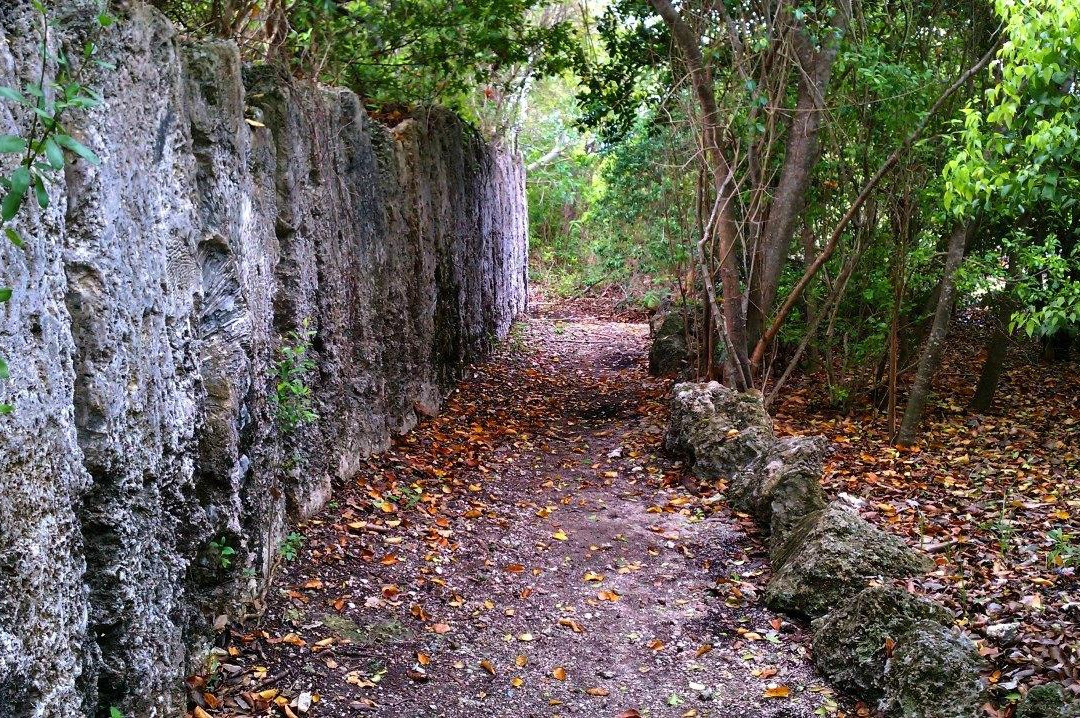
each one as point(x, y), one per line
point(530, 552)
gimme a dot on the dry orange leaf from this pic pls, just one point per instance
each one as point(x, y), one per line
point(777, 692)
point(488, 666)
point(559, 673)
point(598, 692)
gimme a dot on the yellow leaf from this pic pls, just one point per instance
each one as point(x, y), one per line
point(559, 535)
point(777, 692)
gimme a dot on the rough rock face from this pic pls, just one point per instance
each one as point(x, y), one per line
point(723, 433)
point(782, 486)
point(148, 314)
point(668, 350)
point(934, 672)
point(850, 642)
point(831, 556)
point(1047, 701)
point(718, 430)
point(828, 561)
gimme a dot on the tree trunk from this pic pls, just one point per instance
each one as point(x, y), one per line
point(800, 157)
point(997, 347)
point(930, 358)
point(724, 223)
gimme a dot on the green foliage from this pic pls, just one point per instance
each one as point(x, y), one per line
point(115, 712)
point(290, 546)
point(390, 51)
point(222, 552)
point(1063, 552)
point(1018, 161)
point(47, 146)
point(292, 398)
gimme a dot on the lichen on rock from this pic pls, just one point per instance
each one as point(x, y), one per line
point(832, 555)
point(1047, 701)
point(934, 672)
point(717, 430)
point(669, 351)
point(851, 643)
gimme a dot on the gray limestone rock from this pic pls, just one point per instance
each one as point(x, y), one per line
point(1047, 701)
point(850, 643)
point(832, 555)
point(718, 430)
point(934, 672)
point(149, 310)
point(668, 350)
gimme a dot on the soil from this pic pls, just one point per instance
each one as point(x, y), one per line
point(529, 552)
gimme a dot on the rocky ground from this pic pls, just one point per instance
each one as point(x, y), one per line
point(529, 552)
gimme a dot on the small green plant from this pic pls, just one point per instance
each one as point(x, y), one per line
point(223, 553)
point(406, 497)
point(115, 712)
point(290, 546)
point(45, 149)
point(292, 397)
point(1063, 553)
point(1002, 527)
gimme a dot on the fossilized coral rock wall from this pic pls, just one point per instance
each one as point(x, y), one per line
point(149, 308)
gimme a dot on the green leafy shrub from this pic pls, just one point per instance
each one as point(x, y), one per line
point(292, 398)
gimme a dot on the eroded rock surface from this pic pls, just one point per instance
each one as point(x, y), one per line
point(934, 672)
point(851, 643)
point(1047, 701)
point(831, 556)
point(148, 313)
point(717, 430)
point(668, 350)
point(870, 637)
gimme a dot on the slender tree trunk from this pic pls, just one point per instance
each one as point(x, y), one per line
point(800, 157)
point(724, 223)
point(997, 347)
point(930, 358)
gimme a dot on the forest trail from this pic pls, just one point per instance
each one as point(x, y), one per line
point(529, 552)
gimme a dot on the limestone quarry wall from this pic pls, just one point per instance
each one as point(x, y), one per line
point(150, 305)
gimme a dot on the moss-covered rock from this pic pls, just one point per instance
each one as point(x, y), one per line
point(851, 642)
point(934, 672)
point(1047, 701)
point(669, 351)
point(831, 556)
point(782, 487)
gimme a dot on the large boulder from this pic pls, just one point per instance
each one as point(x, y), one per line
point(851, 644)
point(1047, 701)
point(832, 555)
point(934, 672)
point(719, 431)
point(669, 351)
